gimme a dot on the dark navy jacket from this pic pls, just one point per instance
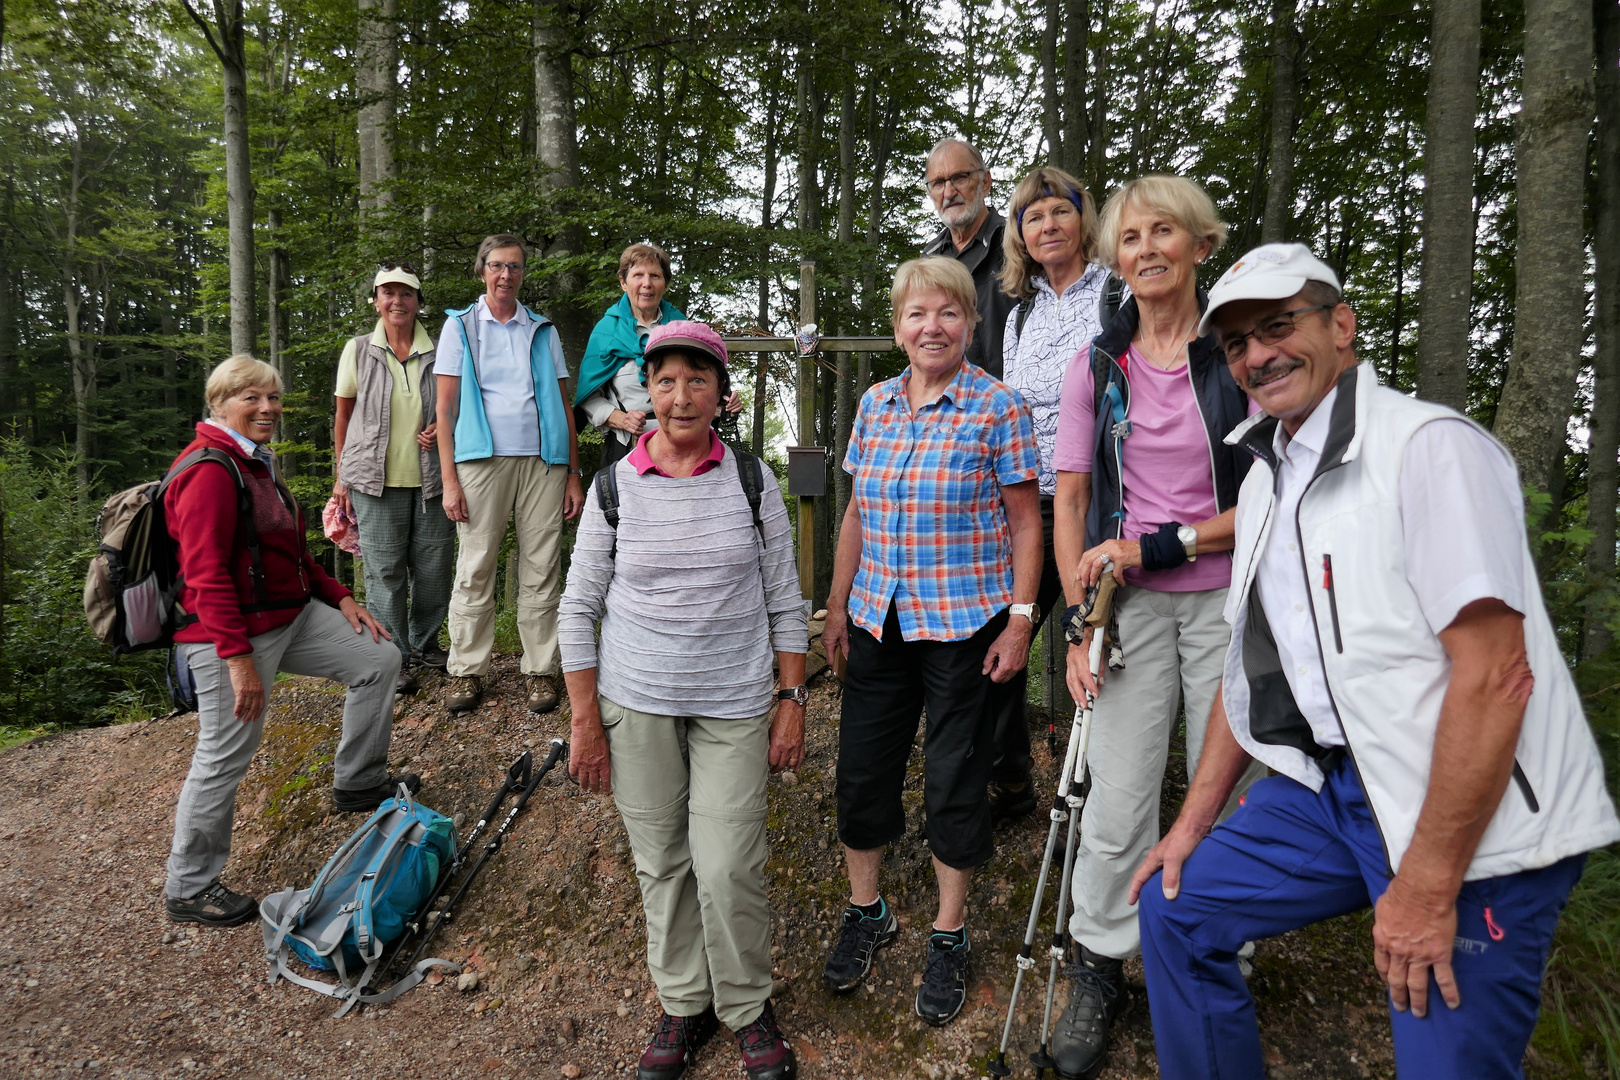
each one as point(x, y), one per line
point(1222, 405)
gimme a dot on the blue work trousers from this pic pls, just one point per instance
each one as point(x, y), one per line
point(1290, 857)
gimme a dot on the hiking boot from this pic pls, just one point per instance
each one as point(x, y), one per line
point(858, 942)
point(675, 1042)
point(405, 683)
point(214, 906)
point(945, 978)
point(1096, 995)
point(432, 656)
point(365, 800)
point(765, 1052)
point(464, 694)
point(1009, 801)
point(542, 692)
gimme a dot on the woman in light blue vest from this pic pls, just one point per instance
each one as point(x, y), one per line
point(508, 453)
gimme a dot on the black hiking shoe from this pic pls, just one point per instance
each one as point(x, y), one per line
point(766, 1054)
point(858, 942)
point(365, 800)
point(675, 1042)
point(214, 906)
point(945, 979)
point(1010, 801)
point(1096, 996)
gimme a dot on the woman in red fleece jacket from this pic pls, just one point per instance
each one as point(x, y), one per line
point(289, 615)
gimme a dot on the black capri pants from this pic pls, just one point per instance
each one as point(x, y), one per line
point(887, 685)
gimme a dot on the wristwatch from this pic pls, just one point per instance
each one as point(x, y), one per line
point(1032, 612)
point(799, 694)
point(1189, 541)
point(578, 472)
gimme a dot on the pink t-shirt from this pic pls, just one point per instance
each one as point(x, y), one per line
point(1167, 472)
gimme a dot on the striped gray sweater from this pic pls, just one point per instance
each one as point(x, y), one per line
point(689, 610)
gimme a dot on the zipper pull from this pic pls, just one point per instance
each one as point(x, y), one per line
point(1496, 932)
point(1327, 572)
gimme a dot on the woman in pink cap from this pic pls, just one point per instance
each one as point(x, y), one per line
point(684, 559)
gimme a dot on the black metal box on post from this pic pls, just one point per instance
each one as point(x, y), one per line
point(807, 471)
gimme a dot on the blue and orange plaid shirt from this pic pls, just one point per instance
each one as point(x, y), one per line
point(934, 536)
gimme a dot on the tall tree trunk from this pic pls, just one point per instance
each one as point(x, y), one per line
point(275, 308)
point(1446, 295)
point(1098, 182)
point(1278, 219)
point(557, 148)
point(226, 35)
point(1076, 39)
point(767, 223)
point(80, 359)
point(1397, 326)
point(804, 100)
point(880, 148)
point(1601, 478)
point(170, 329)
point(376, 74)
point(7, 395)
point(843, 405)
point(1051, 121)
point(1549, 301)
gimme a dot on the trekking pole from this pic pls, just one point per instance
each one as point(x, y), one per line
point(517, 778)
point(1065, 808)
point(558, 749)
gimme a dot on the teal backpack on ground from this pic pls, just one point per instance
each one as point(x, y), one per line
point(361, 902)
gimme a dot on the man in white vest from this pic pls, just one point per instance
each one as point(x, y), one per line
point(1392, 661)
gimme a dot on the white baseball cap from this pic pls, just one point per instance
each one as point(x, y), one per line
point(1269, 272)
point(396, 275)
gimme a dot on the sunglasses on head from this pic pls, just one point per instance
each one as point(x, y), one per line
point(407, 267)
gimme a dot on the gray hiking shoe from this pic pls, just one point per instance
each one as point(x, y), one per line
point(464, 694)
point(1096, 995)
point(214, 906)
point(542, 692)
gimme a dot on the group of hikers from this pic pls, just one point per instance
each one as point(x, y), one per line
point(1328, 579)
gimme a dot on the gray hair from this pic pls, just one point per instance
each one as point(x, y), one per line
point(978, 158)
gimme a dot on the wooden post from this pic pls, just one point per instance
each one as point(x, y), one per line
point(808, 392)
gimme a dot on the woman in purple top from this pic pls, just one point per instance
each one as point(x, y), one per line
point(1144, 481)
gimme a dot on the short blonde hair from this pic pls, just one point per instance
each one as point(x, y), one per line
point(1045, 183)
point(1180, 200)
point(933, 272)
point(235, 375)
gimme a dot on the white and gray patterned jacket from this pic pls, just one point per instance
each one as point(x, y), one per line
point(1036, 360)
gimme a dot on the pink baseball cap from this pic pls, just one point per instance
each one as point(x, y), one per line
point(686, 334)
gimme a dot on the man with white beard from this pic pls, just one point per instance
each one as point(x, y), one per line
point(958, 183)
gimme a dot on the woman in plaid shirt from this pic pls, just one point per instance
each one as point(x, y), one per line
point(932, 598)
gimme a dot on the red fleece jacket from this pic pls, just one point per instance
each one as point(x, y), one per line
point(201, 510)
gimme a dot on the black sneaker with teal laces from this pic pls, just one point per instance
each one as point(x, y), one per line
point(858, 942)
point(945, 977)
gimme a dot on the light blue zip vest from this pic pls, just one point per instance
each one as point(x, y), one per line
point(473, 438)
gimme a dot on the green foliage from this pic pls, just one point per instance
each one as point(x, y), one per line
point(53, 673)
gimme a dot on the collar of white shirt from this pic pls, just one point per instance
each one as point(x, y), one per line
point(520, 319)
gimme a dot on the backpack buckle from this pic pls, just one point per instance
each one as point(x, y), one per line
point(1121, 429)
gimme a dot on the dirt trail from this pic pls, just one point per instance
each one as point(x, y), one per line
point(95, 982)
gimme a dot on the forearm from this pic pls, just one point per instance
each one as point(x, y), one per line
point(449, 408)
point(597, 408)
point(1217, 533)
point(1028, 543)
point(1220, 766)
point(790, 667)
point(1069, 508)
point(1474, 744)
point(582, 696)
point(845, 559)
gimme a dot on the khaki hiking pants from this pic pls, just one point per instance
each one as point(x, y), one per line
point(528, 492)
point(691, 791)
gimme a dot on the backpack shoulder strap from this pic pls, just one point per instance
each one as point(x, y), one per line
point(1021, 315)
point(750, 474)
point(607, 497)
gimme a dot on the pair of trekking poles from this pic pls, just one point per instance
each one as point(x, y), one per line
point(1074, 784)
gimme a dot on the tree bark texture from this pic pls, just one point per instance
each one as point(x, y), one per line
point(880, 148)
point(1051, 120)
point(843, 405)
point(376, 76)
point(1601, 467)
point(1549, 301)
point(557, 150)
point(1446, 295)
point(1076, 41)
point(804, 100)
point(1098, 182)
point(275, 312)
point(1279, 213)
point(767, 222)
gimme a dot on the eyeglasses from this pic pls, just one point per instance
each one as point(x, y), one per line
point(955, 180)
point(501, 267)
point(407, 267)
point(1272, 330)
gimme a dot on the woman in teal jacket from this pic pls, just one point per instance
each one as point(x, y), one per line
point(611, 395)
